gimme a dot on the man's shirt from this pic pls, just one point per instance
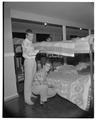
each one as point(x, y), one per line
point(28, 49)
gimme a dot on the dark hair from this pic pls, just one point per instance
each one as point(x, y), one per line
point(28, 31)
point(49, 37)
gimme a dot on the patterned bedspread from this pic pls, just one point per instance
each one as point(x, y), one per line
point(72, 86)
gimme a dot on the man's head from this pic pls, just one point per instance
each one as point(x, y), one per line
point(47, 66)
point(48, 39)
point(29, 34)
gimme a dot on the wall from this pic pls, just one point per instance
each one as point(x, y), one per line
point(76, 32)
point(36, 17)
point(55, 31)
point(10, 90)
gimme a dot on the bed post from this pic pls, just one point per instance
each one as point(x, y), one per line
point(91, 72)
point(64, 39)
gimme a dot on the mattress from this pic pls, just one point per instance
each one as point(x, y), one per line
point(66, 48)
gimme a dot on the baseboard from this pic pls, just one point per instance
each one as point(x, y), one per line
point(8, 98)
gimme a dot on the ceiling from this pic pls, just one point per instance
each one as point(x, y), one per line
point(79, 12)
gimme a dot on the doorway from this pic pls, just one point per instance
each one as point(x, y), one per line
point(18, 38)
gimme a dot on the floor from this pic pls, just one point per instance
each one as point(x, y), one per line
point(56, 107)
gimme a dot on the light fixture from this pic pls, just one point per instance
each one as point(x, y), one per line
point(80, 28)
point(45, 23)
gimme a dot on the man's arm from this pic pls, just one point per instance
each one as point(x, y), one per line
point(29, 50)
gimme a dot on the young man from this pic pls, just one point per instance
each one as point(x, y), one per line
point(29, 65)
point(40, 84)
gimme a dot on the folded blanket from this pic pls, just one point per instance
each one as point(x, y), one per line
point(60, 48)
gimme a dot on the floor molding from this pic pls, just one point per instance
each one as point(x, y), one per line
point(8, 98)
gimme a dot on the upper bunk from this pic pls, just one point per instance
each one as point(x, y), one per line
point(66, 48)
point(62, 48)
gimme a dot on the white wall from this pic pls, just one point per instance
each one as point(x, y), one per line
point(39, 18)
point(77, 32)
point(57, 35)
point(56, 32)
point(9, 72)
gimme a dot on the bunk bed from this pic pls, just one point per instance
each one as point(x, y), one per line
point(70, 82)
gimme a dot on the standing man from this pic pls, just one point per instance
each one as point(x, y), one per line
point(29, 65)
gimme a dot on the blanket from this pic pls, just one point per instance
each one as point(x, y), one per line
point(72, 86)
